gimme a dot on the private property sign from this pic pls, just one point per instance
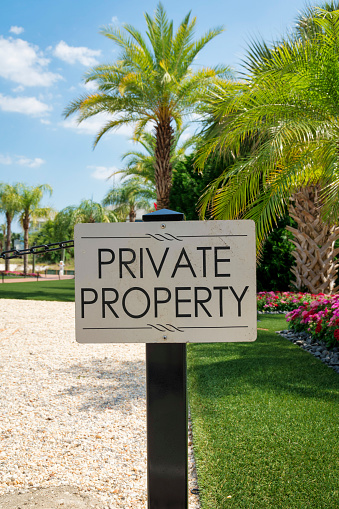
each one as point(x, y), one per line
point(171, 282)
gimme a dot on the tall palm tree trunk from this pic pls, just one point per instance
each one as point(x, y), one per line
point(316, 268)
point(132, 215)
point(163, 167)
point(8, 238)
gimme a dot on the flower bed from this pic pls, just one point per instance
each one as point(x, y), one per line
point(282, 301)
point(16, 273)
point(318, 314)
point(320, 318)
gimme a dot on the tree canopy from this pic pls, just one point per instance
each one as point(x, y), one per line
point(131, 195)
point(151, 83)
point(286, 111)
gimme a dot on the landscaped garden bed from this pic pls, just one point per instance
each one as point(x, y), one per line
point(320, 318)
point(281, 302)
point(17, 273)
point(316, 315)
point(313, 321)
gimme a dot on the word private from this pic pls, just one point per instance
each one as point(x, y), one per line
point(168, 282)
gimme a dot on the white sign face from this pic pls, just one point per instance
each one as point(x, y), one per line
point(170, 282)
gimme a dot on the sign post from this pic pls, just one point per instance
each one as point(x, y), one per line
point(166, 382)
point(166, 282)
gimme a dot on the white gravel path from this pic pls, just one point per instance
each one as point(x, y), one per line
point(71, 414)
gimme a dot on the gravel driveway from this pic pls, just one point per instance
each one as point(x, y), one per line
point(70, 414)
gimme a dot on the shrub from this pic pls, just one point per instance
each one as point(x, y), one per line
point(18, 273)
point(274, 268)
point(320, 318)
point(281, 301)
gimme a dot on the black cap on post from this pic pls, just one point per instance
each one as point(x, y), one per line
point(164, 215)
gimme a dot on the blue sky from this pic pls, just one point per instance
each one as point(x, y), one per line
point(45, 49)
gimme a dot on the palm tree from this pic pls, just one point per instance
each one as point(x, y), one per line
point(10, 206)
point(286, 112)
point(87, 212)
point(132, 195)
point(91, 212)
point(29, 199)
point(62, 226)
point(141, 163)
point(151, 83)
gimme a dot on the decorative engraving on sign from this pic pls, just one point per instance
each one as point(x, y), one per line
point(168, 235)
point(163, 327)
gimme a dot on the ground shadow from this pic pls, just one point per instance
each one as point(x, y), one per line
point(271, 363)
point(127, 383)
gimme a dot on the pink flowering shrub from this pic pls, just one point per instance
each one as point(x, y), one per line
point(320, 318)
point(17, 273)
point(281, 301)
point(316, 314)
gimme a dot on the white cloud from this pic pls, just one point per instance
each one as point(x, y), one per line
point(102, 172)
point(90, 86)
point(23, 63)
point(21, 160)
point(5, 160)
point(18, 89)
point(115, 20)
point(94, 124)
point(26, 105)
point(45, 121)
point(31, 163)
point(73, 54)
point(16, 30)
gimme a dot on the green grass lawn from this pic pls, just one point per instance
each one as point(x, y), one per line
point(265, 424)
point(39, 290)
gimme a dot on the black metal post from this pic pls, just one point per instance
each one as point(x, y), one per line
point(167, 447)
point(33, 260)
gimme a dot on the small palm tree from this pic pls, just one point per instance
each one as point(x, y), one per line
point(151, 83)
point(62, 226)
point(132, 195)
point(287, 113)
point(87, 212)
point(10, 206)
point(92, 212)
point(29, 200)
